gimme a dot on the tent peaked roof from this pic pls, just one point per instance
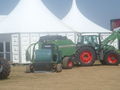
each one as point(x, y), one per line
point(32, 16)
point(79, 22)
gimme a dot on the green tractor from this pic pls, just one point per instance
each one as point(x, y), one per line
point(50, 53)
point(4, 68)
point(90, 48)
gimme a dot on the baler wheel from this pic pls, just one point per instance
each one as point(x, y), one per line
point(29, 68)
point(4, 68)
point(112, 58)
point(67, 63)
point(86, 56)
point(58, 68)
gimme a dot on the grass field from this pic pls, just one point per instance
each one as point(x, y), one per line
point(96, 77)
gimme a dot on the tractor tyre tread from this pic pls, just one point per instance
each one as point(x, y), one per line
point(6, 69)
point(112, 52)
point(84, 48)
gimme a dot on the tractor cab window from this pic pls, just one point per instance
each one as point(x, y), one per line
point(95, 39)
point(88, 39)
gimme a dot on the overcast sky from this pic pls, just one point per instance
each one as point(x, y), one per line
point(98, 11)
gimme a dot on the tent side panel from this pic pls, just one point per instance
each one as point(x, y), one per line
point(15, 48)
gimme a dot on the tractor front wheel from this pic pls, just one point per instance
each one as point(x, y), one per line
point(112, 58)
point(86, 56)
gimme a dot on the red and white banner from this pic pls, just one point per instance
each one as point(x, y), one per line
point(115, 23)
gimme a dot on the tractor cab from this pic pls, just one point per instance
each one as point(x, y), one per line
point(90, 40)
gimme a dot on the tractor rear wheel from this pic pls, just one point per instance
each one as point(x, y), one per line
point(4, 68)
point(59, 68)
point(86, 56)
point(112, 58)
point(67, 63)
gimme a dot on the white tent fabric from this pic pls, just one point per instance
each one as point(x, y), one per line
point(79, 22)
point(2, 17)
point(32, 16)
point(118, 28)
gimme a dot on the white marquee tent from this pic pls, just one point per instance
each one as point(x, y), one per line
point(79, 22)
point(32, 16)
point(26, 24)
point(76, 20)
